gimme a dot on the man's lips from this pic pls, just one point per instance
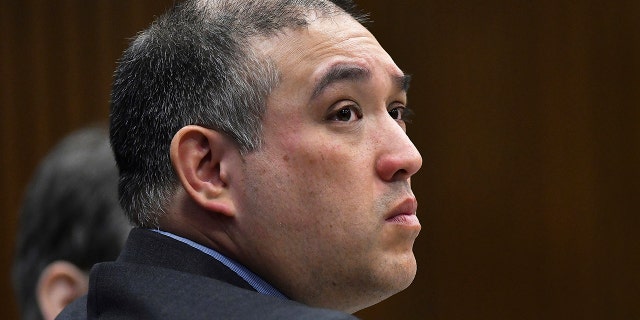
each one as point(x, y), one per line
point(404, 213)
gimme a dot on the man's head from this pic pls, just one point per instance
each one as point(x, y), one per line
point(70, 219)
point(297, 165)
point(194, 65)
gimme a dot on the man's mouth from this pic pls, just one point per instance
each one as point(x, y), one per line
point(404, 213)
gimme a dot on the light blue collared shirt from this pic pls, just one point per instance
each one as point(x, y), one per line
point(253, 279)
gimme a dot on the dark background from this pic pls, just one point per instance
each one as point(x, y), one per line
point(528, 120)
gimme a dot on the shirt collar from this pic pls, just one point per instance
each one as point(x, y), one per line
point(253, 279)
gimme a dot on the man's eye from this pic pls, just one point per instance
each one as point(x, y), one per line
point(401, 114)
point(346, 114)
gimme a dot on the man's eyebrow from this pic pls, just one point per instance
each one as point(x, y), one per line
point(338, 73)
point(403, 82)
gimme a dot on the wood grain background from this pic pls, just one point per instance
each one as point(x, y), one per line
point(528, 120)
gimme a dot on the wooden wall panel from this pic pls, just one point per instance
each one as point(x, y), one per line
point(528, 119)
point(529, 125)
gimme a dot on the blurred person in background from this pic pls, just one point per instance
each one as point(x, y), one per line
point(70, 219)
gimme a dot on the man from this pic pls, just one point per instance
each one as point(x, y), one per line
point(70, 220)
point(263, 154)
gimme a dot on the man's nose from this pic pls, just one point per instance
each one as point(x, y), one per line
point(398, 158)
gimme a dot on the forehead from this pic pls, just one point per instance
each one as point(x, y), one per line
point(325, 42)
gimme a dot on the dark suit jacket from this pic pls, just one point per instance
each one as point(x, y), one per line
point(157, 277)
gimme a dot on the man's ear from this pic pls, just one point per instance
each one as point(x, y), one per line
point(201, 158)
point(59, 284)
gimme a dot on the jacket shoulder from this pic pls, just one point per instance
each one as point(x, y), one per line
point(129, 291)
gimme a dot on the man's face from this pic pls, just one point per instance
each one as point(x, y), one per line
point(327, 214)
